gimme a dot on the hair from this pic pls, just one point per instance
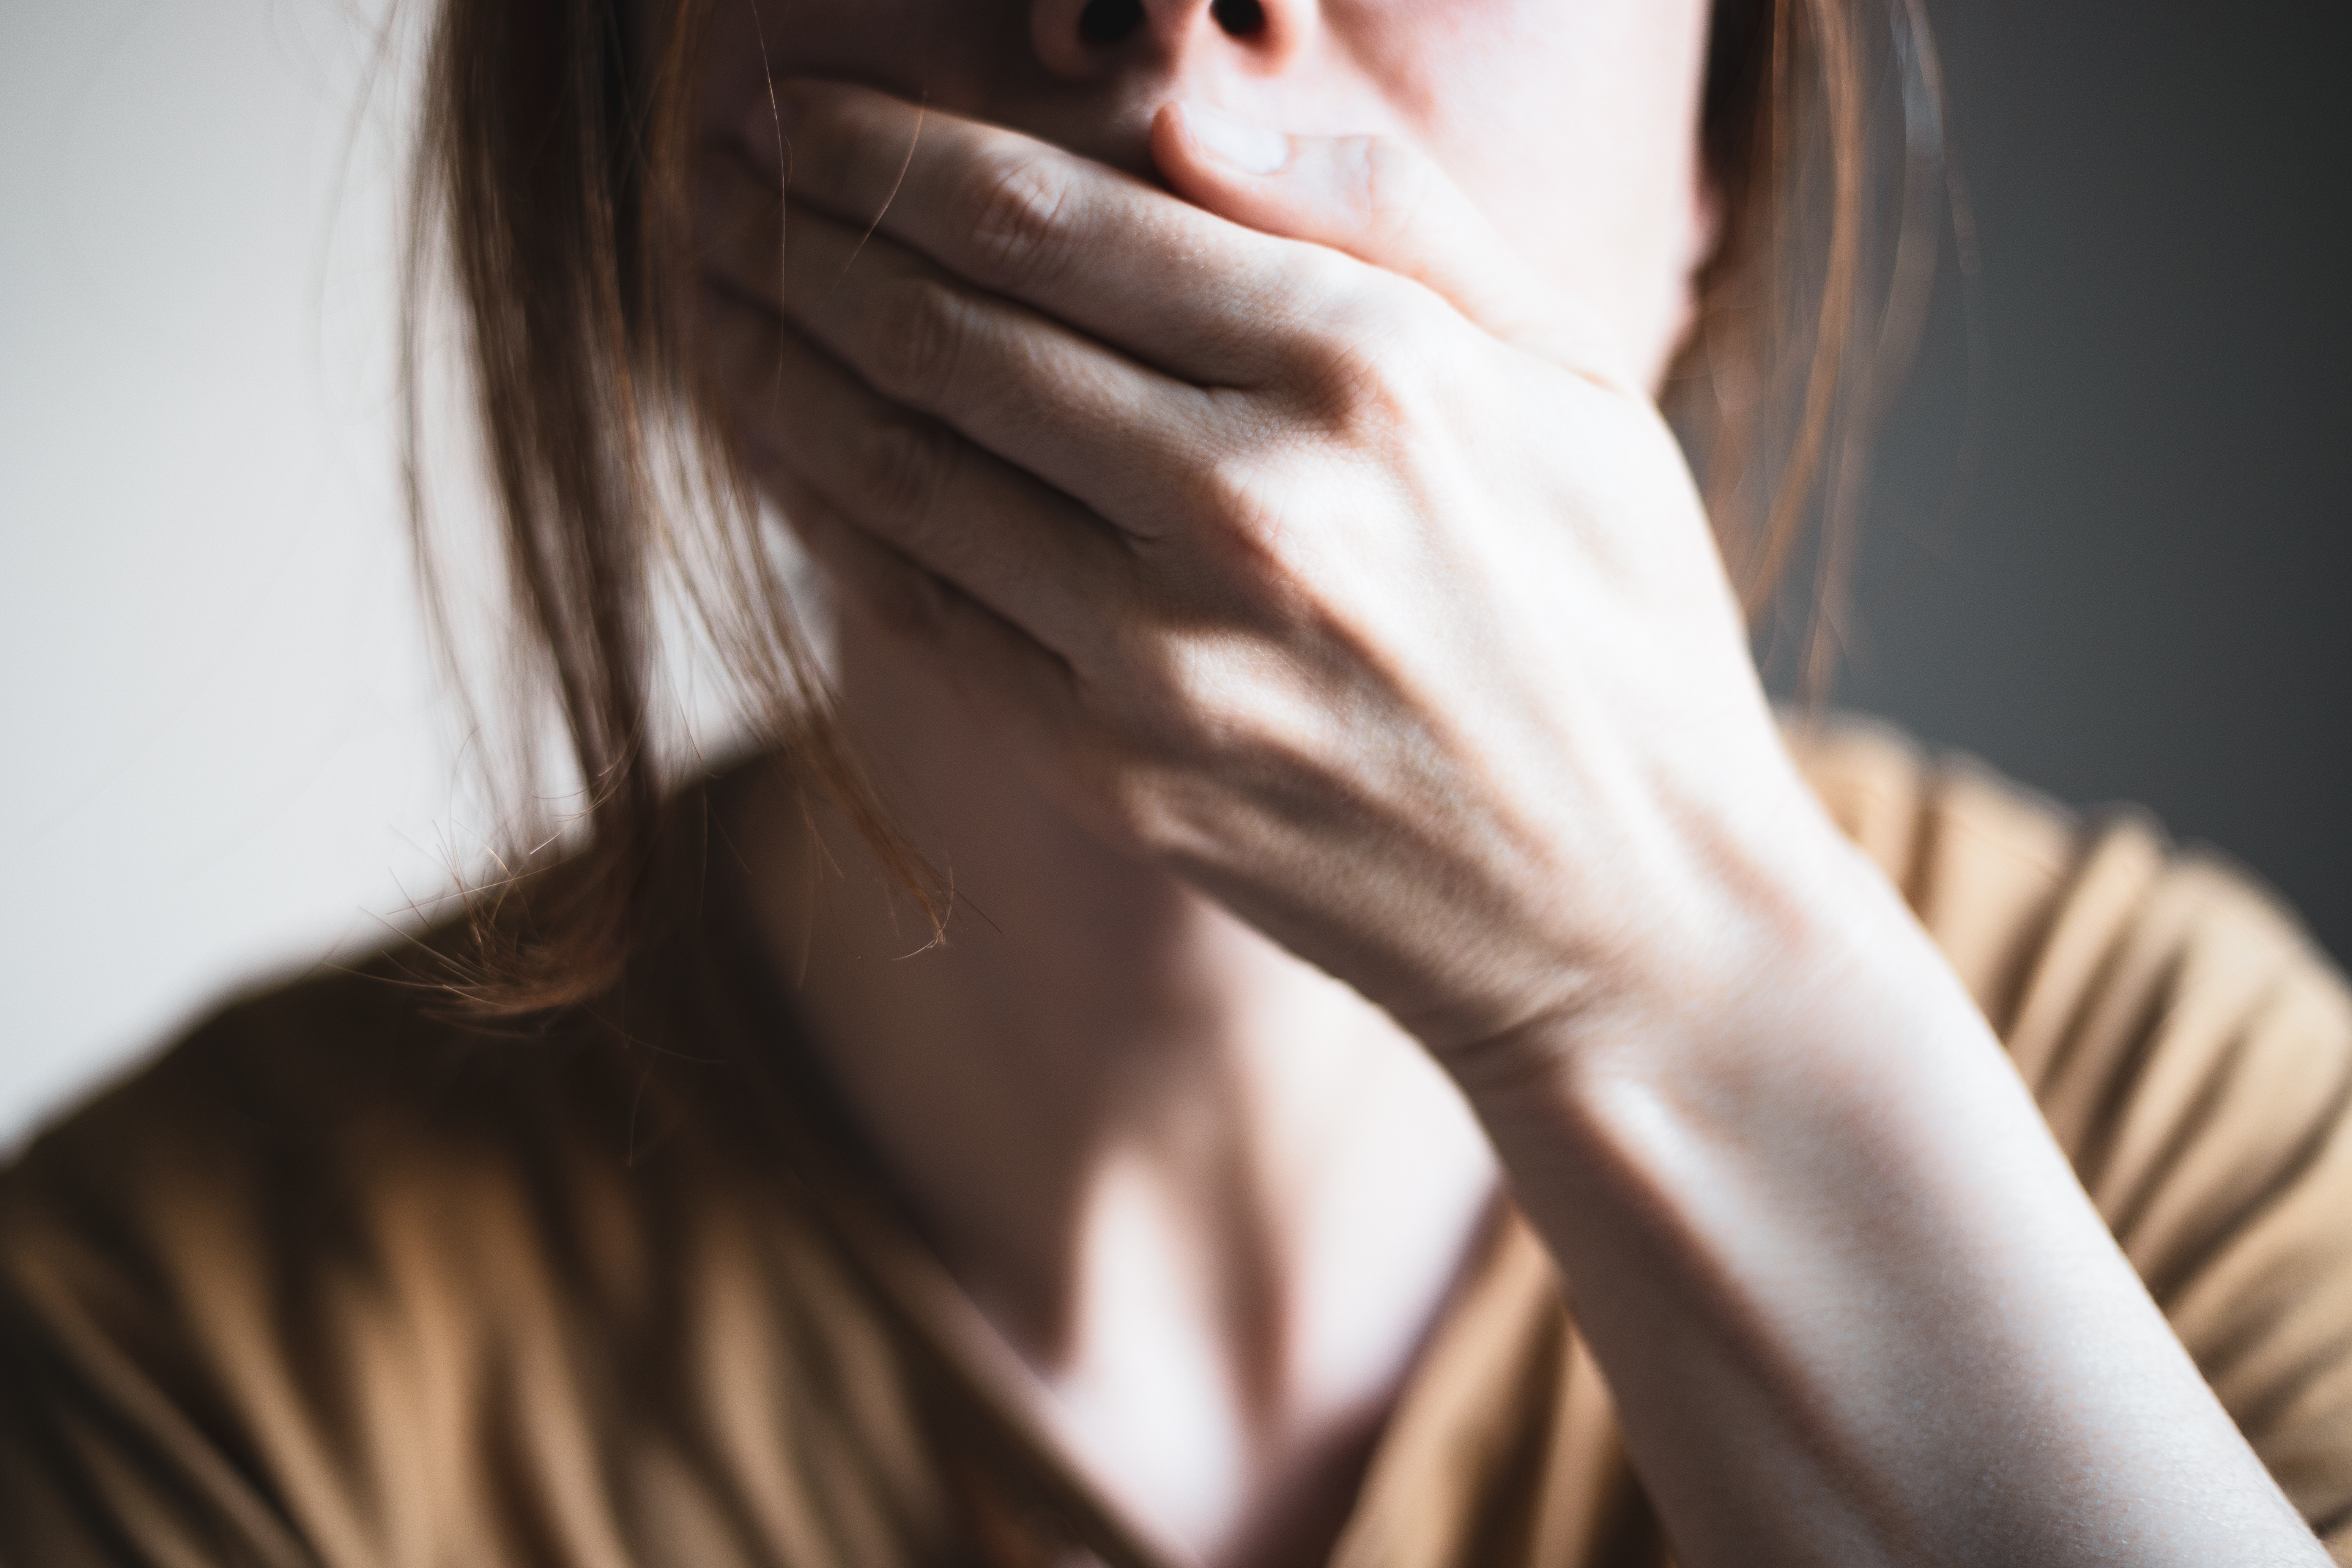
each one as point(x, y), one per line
point(552, 187)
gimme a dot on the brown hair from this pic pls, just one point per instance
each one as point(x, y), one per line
point(554, 179)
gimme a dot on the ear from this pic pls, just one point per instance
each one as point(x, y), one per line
point(1379, 200)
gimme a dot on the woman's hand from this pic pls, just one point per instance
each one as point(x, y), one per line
point(1308, 545)
point(1346, 572)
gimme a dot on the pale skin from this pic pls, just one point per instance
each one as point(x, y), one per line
point(1268, 587)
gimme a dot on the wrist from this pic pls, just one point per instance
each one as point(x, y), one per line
point(1792, 958)
point(1802, 1205)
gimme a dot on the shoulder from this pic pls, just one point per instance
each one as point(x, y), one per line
point(329, 1276)
point(270, 1128)
point(2189, 1045)
point(2071, 927)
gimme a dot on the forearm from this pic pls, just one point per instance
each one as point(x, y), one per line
point(1851, 1302)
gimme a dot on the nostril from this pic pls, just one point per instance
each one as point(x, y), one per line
point(1108, 21)
point(1239, 18)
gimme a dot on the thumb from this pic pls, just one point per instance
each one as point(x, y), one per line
point(1379, 200)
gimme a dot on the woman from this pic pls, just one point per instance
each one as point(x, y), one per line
point(1412, 1066)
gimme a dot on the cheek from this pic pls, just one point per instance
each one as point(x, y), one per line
point(1574, 124)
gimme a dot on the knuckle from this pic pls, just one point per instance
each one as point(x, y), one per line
point(1188, 701)
point(1152, 674)
point(1158, 804)
point(1229, 490)
point(918, 341)
point(1134, 803)
point(1358, 369)
point(1019, 220)
point(1238, 500)
point(1350, 355)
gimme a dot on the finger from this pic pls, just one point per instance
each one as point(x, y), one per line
point(1121, 438)
point(1089, 244)
point(1381, 201)
point(1026, 550)
point(1024, 684)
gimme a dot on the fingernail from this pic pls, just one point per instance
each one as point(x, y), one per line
point(1245, 144)
point(769, 126)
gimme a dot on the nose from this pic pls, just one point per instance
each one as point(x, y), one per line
point(1084, 40)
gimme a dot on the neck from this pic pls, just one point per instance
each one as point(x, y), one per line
point(1160, 1152)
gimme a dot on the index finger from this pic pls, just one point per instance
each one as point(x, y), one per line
point(1181, 289)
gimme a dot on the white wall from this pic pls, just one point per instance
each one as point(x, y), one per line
point(222, 754)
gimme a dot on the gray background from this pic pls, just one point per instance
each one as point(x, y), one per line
point(222, 752)
point(2145, 591)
